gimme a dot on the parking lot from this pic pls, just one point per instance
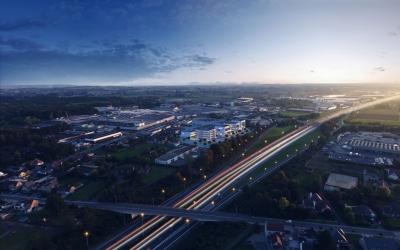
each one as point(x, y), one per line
point(337, 152)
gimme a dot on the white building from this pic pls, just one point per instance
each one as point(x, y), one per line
point(176, 154)
point(188, 133)
point(206, 132)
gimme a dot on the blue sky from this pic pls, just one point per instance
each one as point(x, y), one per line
point(120, 42)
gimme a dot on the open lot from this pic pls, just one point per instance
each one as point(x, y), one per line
point(125, 153)
point(86, 192)
point(158, 172)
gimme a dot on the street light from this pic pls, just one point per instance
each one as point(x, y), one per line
point(213, 203)
point(142, 215)
point(251, 178)
point(87, 236)
point(265, 169)
point(233, 189)
point(163, 192)
point(276, 162)
point(205, 176)
point(187, 222)
point(265, 141)
point(184, 182)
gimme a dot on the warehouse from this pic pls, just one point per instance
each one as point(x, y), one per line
point(176, 154)
point(98, 137)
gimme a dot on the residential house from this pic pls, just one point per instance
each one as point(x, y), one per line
point(67, 189)
point(86, 169)
point(306, 246)
point(25, 174)
point(393, 210)
point(309, 235)
point(47, 187)
point(315, 202)
point(36, 162)
point(363, 211)
point(12, 185)
point(339, 237)
point(393, 174)
point(56, 164)
point(369, 243)
point(45, 171)
point(121, 171)
point(381, 183)
point(276, 241)
point(274, 227)
point(28, 186)
point(27, 205)
point(144, 170)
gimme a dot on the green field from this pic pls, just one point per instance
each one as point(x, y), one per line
point(293, 113)
point(86, 192)
point(354, 239)
point(125, 153)
point(2, 231)
point(291, 149)
point(158, 172)
point(17, 241)
point(386, 122)
point(71, 181)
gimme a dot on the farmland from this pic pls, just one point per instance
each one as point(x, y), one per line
point(378, 114)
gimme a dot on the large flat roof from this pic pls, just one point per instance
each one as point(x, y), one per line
point(341, 181)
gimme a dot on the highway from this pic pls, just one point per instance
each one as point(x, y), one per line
point(225, 181)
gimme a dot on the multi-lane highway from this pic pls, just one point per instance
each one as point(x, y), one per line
point(202, 197)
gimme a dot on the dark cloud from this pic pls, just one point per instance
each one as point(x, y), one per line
point(105, 61)
point(25, 23)
point(392, 33)
point(19, 44)
point(204, 60)
point(380, 69)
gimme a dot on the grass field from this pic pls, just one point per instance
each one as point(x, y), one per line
point(354, 239)
point(71, 181)
point(387, 122)
point(299, 144)
point(126, 153)
point(17, 241)
point(293, 113)
point(86, 192)
point(2, 231)
point(158, 172)
point(395, 223)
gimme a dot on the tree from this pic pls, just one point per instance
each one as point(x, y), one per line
point(326, 241)
point(94, 174)
point(396, 190)
point(56, 204)
point(283, 203)
point(350, 218)
point(383, 192)
point(327, 213)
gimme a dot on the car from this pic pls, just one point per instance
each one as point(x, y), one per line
point(288, 221)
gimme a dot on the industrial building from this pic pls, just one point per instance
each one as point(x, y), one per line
point(375, 142)
point(98, 137)
point(176, 154)
point(339, 181)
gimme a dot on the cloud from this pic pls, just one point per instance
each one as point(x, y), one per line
point(204, 60)
point(26, 62)
point(312, 71)
point(25, 23)
point(228, 71)
point(19, 44)
point(380, 69)
point(392, 33)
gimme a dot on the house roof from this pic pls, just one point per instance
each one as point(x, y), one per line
point(276, 239)
point(394, 171)
point(338, 235)
point(380, 243)
point(393, 208)
point(363, 209)
point(29, 183)
point(306, 246)
point(275, 226)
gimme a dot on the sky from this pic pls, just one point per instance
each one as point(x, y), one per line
point(117, 42)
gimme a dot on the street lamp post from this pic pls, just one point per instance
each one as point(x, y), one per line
point(205, 176)
point(163, 192)
point(87, 240)
point(187, 222)
point(184, 182)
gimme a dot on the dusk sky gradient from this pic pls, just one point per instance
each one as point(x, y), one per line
point(120, 42)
